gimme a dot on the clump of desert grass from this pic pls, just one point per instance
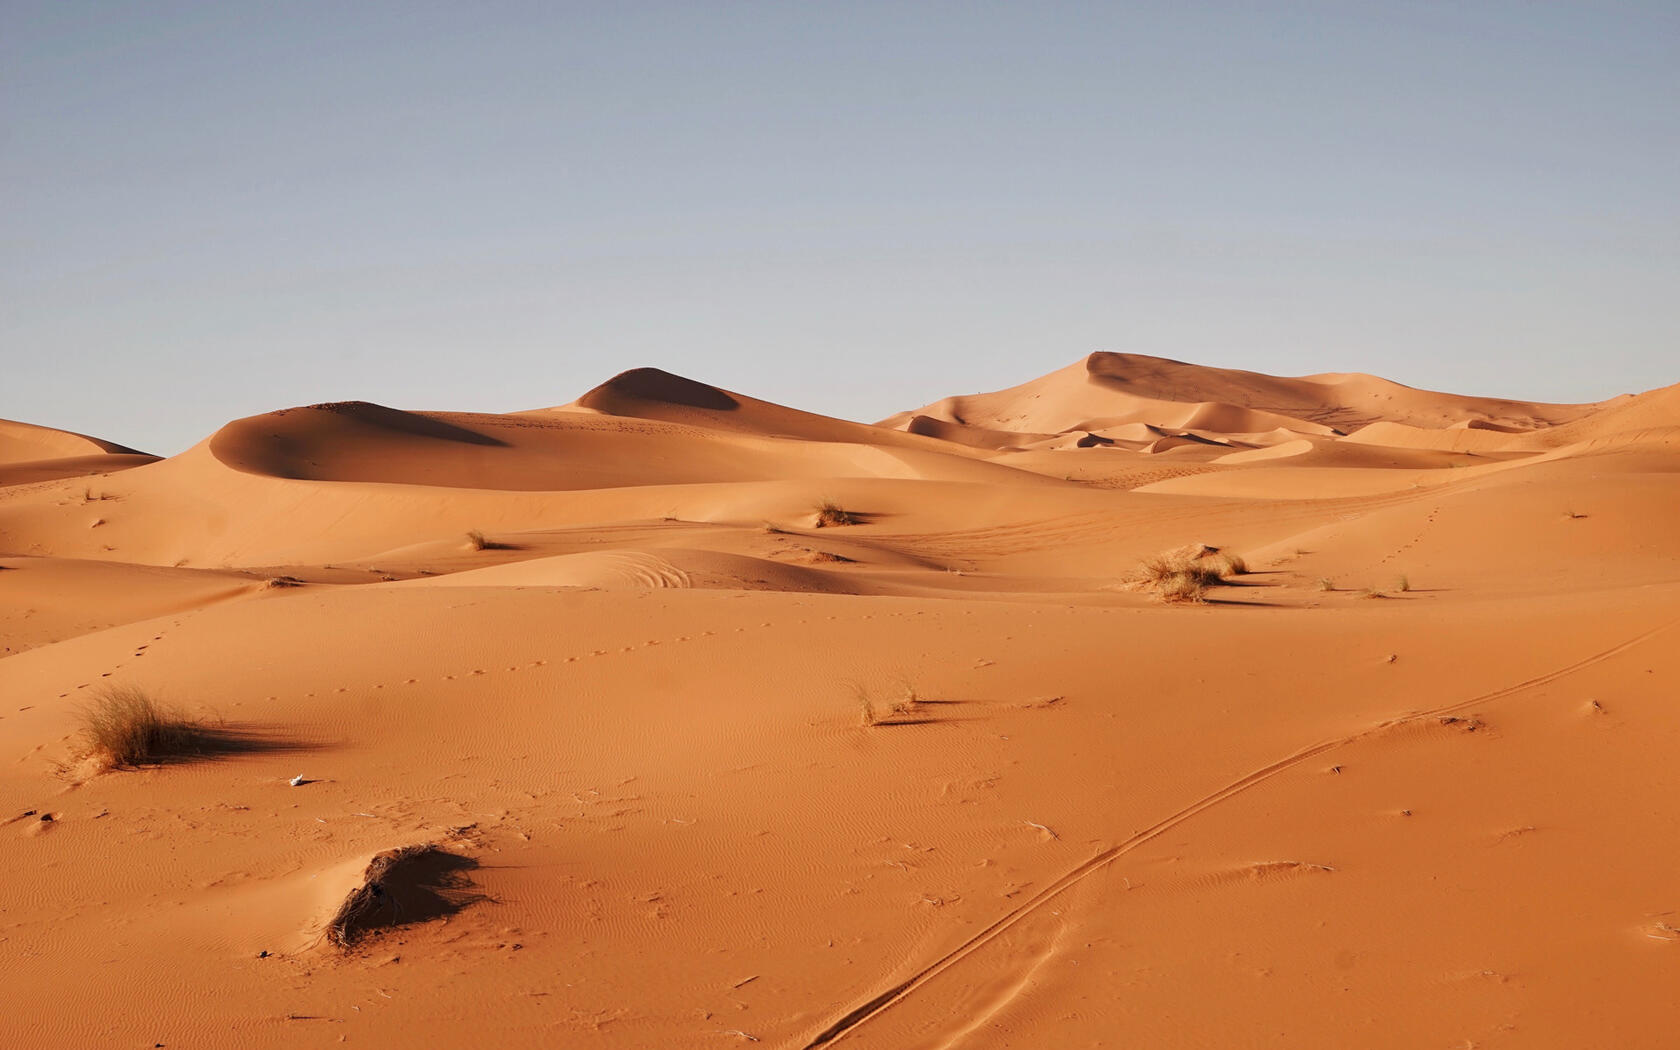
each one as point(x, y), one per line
point(832, 515)
point(476, 541)
point(1325, 583)
point(1228, 563)
point(399, 886)
point(901, 706)
point(1402, 583)
point(123, 727)
point(1185, 575)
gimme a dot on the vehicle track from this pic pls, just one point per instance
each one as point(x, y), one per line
point(874, 1007)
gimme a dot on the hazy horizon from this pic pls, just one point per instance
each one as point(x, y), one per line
point(219, 211)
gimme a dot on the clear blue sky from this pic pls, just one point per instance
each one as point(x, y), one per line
point(216, 209)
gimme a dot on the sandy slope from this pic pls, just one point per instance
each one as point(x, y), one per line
point(1408, 783)
point(32, 453)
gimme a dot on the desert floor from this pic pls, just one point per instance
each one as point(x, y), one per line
point(700, 769)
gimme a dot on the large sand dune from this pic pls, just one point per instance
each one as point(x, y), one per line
point(598, 673)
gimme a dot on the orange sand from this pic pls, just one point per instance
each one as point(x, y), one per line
point(1444, 813)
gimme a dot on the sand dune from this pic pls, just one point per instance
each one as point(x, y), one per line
point(24, 442)
point(1115, 388)
point(548, 452)
point(649, 393)
point(704, 721)
point(31, 453)
point(1653, 412)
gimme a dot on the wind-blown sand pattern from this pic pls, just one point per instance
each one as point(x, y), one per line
point(586, 726)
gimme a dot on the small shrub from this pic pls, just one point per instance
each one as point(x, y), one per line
point(891, 712)
point(476, 541)
point(126, 727)
point(1228, 564)
point(1325, 583)
point(1182, 587)
point(1403, 584)
point(1183, 576)
point(830, 515)
point(1163, 569)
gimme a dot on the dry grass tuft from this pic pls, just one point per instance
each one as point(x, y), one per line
point(1228, 564)
point(1325, 583)
point(1181, 587)
point(827, 558)
point(901, 709)
point(1403, 584)
point(406, 885)
point(830, 515)
point(476, 541)
point(124, 726)
point(1184, 576)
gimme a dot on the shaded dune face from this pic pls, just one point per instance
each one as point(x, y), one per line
point(652, 384)
point(1140, 704)
point(359, 441)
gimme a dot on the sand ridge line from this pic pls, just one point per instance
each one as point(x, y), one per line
point(856, 1017)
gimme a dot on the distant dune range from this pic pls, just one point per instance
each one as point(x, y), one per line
point(672, 717)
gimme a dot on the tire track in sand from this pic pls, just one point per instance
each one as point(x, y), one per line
point(859, 1015)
